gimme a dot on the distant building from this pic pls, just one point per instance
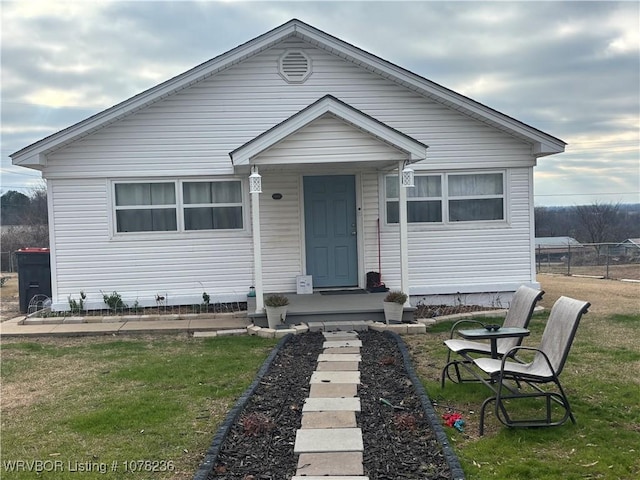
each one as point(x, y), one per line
point(557, 249)
point(629, 248)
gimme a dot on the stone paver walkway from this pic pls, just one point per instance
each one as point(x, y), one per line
point(329, 442)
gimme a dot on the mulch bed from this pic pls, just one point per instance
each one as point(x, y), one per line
point(434, 311)
point(399, 443)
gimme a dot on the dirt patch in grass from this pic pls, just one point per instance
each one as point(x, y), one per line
point(607, 297)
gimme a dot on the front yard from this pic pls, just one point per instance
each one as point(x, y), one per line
point(135, 405)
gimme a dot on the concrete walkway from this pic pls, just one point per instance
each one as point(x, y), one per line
point(329, 442)
point(12, 328)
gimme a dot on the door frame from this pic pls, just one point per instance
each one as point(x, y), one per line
point(359, 222)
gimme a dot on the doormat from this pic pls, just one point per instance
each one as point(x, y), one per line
point(343, 292)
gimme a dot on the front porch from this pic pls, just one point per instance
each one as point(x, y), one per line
point(323, 307)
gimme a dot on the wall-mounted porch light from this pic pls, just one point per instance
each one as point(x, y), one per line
point(255, 181)
point(407, 177)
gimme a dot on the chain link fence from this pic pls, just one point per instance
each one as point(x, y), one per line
point(619, 261)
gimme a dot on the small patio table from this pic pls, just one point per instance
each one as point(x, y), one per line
point(493, 335)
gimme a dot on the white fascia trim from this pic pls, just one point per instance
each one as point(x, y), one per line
point(415, 150)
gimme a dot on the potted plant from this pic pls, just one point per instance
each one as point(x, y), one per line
point(393, 305)
point(276, 307)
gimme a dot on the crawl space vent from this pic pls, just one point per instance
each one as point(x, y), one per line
point(295, 66)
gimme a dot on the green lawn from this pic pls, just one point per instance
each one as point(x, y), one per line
point(602, 381)
point(141, 407)
point(155, 402)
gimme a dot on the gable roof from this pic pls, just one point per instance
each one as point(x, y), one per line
point(414, 149)
point(34, 155)
point(630, 242)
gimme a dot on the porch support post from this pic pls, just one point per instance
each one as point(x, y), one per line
point(404, 244)
point(257, 250)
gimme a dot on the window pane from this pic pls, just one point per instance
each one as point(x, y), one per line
point(425, 186)
point(472, 185)
point(150, 220)
point(163, 194)
point(426, 211)
point(133, 194)
point(392, 186)
point(227, 217)
point(226, 192)
point(145, 194)
point(197, 192)
point(477, 209)
point(393, 212)
point(198, 218)
point(208, 218)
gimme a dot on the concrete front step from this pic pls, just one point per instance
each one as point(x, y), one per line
point(339, 357)
point(319, 404)
point(335, 350)
point(335, 463)
point(320, 440)
point(347, 335)
point(333, 390)
point(338, 367)
point(337, 419)
point(329, 478)
point(335, 377)
point(342, 343)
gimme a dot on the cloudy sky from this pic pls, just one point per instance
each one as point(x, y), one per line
point(571, 69)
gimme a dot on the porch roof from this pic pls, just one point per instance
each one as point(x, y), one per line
point(415, 151)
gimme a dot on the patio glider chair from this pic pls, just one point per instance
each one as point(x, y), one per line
point(519, 315)
point(545, 368)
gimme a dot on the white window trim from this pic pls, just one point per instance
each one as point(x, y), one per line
point(446, 224)
point(181, 232)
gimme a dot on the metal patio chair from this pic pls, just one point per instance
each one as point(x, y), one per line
point(545, 368)
point(519, 315)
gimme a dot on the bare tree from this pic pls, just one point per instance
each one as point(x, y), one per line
point(599, 221)
point(37, 213)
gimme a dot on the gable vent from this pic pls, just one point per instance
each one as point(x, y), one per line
point(295, 66)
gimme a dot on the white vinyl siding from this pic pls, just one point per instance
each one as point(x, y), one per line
point(464, 257)
point(187, 137)
point(180, 266)
point(192, 132)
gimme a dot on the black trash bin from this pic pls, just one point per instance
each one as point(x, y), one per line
point(34, 274)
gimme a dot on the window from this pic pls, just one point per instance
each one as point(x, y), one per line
point(156, 207)
point(212, 205)
point(476, 197)
point(145, 207)
point(424, 201)
point(454, 197)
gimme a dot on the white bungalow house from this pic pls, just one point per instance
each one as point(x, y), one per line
point(153, 196)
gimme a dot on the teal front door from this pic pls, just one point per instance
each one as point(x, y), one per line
point(330, 230)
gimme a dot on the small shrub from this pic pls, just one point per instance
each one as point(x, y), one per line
point(396, 296)
point(256, 424)
point(405, 421)
point(388, 360)
point(276, 301)
point(76, 306)
point(114, 301)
